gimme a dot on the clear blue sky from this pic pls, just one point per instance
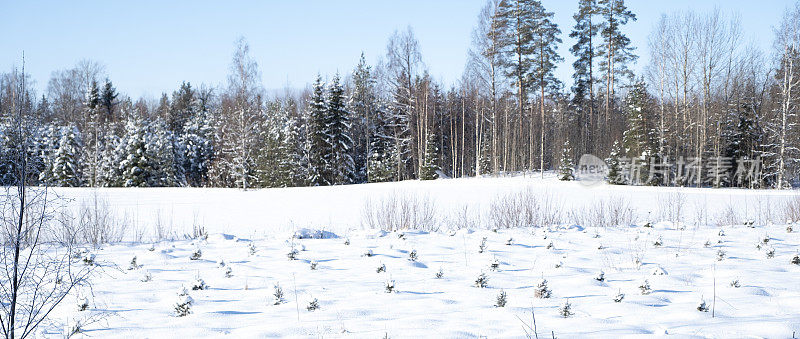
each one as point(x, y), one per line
point(149, 47)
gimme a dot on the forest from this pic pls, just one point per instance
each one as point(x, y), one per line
point(707, 99)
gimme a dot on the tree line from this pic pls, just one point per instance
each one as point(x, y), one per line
point(705, 95)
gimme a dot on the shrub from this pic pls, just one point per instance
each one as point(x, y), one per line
point(251, 248)
point(439, 274)
point(796, 259)
point(400, 212)
point(482, 246)
point(526, 208)
point(314, 265)
point(228, 272)
point(381, 268)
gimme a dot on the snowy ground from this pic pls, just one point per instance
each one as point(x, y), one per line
point(696, 259)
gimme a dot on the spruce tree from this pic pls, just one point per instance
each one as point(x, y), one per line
point(566, 164)
point(614, 162)
point(743, 137)
point(382, 152)
point(362, 105)
point(430, 163)
point(65, 169)
point(637, 139)
point(338, 131)
point(320, 149)
point(136, 167)
point(108, 100)
point(198, 147)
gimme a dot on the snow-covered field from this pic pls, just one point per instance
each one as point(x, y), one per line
point(695, 249)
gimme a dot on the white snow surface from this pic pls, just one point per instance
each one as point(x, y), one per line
point(352, 297)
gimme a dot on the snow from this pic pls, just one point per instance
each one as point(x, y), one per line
point(317, 222)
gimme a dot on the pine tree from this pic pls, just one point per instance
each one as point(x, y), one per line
point(616, 52)
point(320, 149)
point(430, 166)
point(566, 164)
point(584, 50)
point(517, 22)
point(338, 131)
point(544, 57)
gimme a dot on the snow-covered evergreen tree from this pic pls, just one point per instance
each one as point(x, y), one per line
point(338, 131)
point(636, 140)
point(381, 165)
point(430, 162)
point(615, 175)
point(362, 105)
point(198, 148)
point(65, 168)
point(295, 150)
point(743, 137)
point(318, 138)
point(136, 167)
point(566, 164)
